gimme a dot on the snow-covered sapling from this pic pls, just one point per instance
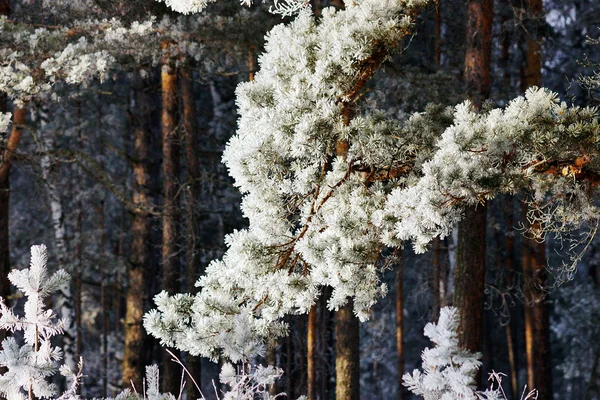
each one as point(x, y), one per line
point(448, 371)
point(30, 364)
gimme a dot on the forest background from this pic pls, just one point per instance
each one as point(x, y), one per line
point(121, 177)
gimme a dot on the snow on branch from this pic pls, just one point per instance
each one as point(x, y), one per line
point(320, 218)
point(309, 210)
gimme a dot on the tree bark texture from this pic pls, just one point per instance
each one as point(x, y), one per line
point(311, 344)
point(139, 253)
point(170, 169)
point(347, 357)
point(400, 323)
point(537, 326)
point(479, 49)
point(537, 330)
point(7, 155)
point(192, 194)
point(469, 275)
point(514, 317)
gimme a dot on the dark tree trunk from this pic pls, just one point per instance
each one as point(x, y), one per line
point(347, 357)
point(400, 323)
point(192, 194)
point(7, 156)
point(469, 275)
point(170, 168)
point(537, 327)
point(311, 344)
point(139, 253)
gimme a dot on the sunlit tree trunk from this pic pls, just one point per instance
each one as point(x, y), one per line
point(12, 143)
point(400, 322)
point(170, 170)
point(4, 203)
point(537, 327)
point(311, 343)
point(139, 253)
point(469, 275)
point(510, 327)
point(347, 357)
point(192, 194)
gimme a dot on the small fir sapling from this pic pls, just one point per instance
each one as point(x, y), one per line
point(448, 371)
point(31, 363)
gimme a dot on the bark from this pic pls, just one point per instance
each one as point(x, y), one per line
point(437, 276)
point(347, 358)
point(531, 74)
point(7, 155)
point(139, 253)
point(438, 35)
point(103, 278)
point(170, 170)
point(537, 327)
point(192, 193)
point(479, 46)
point(509, 263)
point(469, 275)
point(400, 324)
point(311, 344)
point(324, 345)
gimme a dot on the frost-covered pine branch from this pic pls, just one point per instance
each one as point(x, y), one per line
point(309, 211)
point(320, 219)
point(30, 364)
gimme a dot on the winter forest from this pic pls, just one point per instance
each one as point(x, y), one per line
point(299, 199)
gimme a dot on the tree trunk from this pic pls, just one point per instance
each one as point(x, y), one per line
point(400, 323)
point(170, 170)
point(139, 253)
point(347, 357)
point(438, 35)
point(326, 334)
point(192, 194)
point(311, 344)
point(537, 327)
point(7, 155)
point(469, 275)
point(479, 49)
point(509, 263)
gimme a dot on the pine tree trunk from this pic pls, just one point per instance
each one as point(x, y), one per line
point(438, 35)
point(170, 169)
point(537, 326)
point(13, 141)
point(311, 344)
point(4, 210)
point(479, 50)
point(469, 275)
point(139, 253)
point(347, 357)
point(469, 278)
point(192, 194)
point(437, 276)
point(325, 336)
point(400, 323)
point(509, 263)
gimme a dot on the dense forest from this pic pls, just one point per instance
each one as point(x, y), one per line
point(318, 199)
